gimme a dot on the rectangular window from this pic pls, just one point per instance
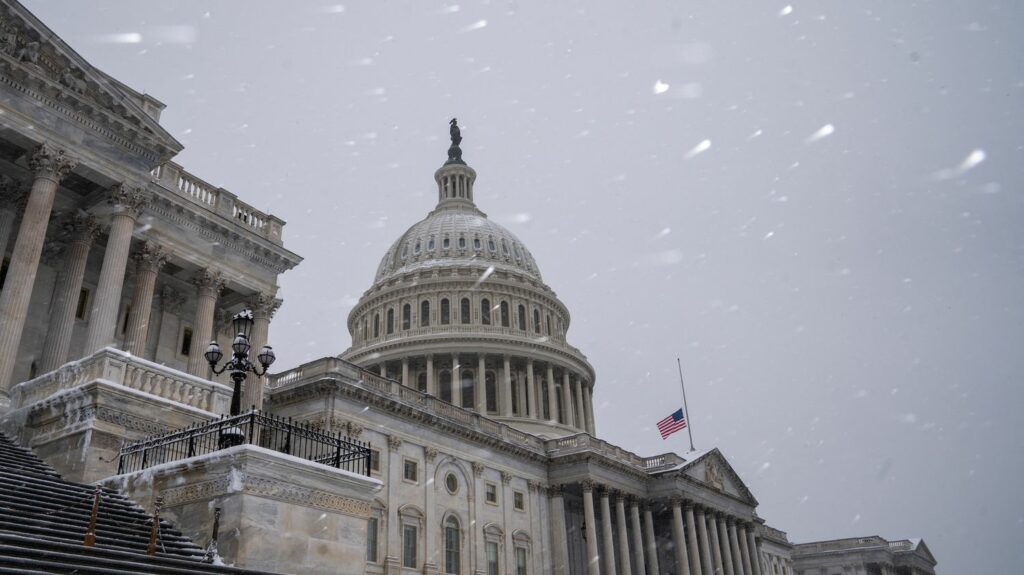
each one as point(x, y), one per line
point(409, 546)
point(521, 561)
point(411, 472)
point(375, 460)
point(492, 558)
point(492, 494)
point(186, 341)
point(127, 315)
point(83, 303)
point(518, 501)
point(371, 540)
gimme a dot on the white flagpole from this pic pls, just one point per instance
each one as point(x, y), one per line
point(686, 408)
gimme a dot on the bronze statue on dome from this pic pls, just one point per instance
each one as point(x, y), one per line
point(454, 151)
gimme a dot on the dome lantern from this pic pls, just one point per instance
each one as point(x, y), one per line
point(455, 178)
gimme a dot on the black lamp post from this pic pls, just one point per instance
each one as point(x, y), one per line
point(239, 363)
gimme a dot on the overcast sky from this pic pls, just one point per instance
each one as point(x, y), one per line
point(818, 207)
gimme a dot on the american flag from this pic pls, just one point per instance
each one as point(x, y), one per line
point(672, 423)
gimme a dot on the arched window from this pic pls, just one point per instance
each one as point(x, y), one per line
point(421, 381)
point(522, 318)
point(364, 329)
point(424, 313)
point(462, 242)
point(504, 248)
point(446, 312)
point(376, 325)
point(549, 324)
point(476, 244)
point(430, 244)
point(492, 392)
point(445, 389)
point(446, 243)
point(490, 245)
point(416, 250)
point(464, 310)
point(485, 311)
point(536, 321)
point(406, 316)
point(504, 314)
point(391, 321)
point(468, 397)
point(452, 547)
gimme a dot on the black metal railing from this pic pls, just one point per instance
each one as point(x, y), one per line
point(255, 428)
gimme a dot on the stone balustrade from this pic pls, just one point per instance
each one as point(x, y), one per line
point(589, 443)
point(121, 368)
point(769, 532)
point(174, 178)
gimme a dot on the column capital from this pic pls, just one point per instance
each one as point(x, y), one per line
point(429, 454)
point(50, 162)
point(127, 200)
point(555, 490)
point(675, 501)
point(730, 521)
point(265, 304)
point(394, 442)
point(478, 468)
point(82, 228)
point(532, 485)
point(12, 193)
point(208, 281)
point(150, 257)
point(588, 485)
point(506, 477)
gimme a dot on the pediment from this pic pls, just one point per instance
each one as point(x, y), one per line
point(47, 69)
point(712, 469)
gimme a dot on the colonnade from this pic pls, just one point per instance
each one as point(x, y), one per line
point(499, 384)
point(704, 541)
point(125, 203)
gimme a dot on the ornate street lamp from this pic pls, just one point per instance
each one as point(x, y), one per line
point(239, 363)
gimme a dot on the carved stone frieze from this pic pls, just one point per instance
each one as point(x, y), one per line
point(354, 430)
point(429, 454)
point(264, 304)
point(394, 442)
point(713, 474)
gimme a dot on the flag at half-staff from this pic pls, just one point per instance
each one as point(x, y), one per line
point(673, 423)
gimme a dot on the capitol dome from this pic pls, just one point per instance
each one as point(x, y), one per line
point(458, 310)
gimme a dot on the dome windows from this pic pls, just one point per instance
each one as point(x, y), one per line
point(446, 312)
point(462, 242)
point(491, 246)
point(430, 244)
point(446, 243)
point(464, 310)
point(504, 248)
point(425, 313)
point(406, 316)
point(522, 317)
point(391, 322)
point(504, 314)
point(416, 250)
point(476, 244)
point(485, 311)
point(405, 251)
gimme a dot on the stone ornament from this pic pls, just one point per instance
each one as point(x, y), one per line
point(82, 228)
point(354, 430)
point(713, 475)
point(150, 257)
point(429, 454)
point(73, 82)
point(265, 304)
point(555, 490)
point(127, 200)
point(588, 485)
point(50, 162)
point(394, 442)
point(506, 477)
point(478, 468)
point(208, 280)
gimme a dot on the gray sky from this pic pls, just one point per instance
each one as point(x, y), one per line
point(839, 267)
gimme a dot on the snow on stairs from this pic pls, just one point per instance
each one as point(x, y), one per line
point(43, 520)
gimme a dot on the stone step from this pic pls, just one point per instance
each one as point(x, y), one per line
point(50, 502)
point(56, 533)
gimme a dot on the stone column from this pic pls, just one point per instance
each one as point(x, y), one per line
point(755, 558)
point(741, 535)
point(567, 398)
point(49, 166)
point(588, 406)
point(723, 537)
point(716, 546)
point(432, 557)
point(620, 519)
point(69, 288)
point(12, 201)
point(405, 372)
point(456, 381)
point(393, 545)
point(652, 543)
point(691, 537)
point(209, 284)
point(127, 203)
point(552, 402)
point(531, 381)
point(702, 539)
point(679, 539)
point(734, 547)
point(506, 388)
point(263, 306)
point(606, 532)
point(147, 264)
point(480, 393)
point(590, 522)
point(638, 538)
point(560, 553)
point(431, 386)
point(581, 417)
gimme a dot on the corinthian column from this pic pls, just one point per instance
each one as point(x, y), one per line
point(620, 520)
point(679, 538)
point(560, 553)
point(606, 531)
point(588, 407)
point(734, 546)
point(264, 306)
point(581, 418)
point(638, 538)
point(567, 397)
point(590, 521)
point(755, 557)
point(652, 543)
point(208, 286)
point(69, 288)
point(12, 200)
point(49, 166)
point(723, 536)
point(716, 546)
point(702, 538)
point(536, 403)
point(148, 262)
point(691, 536)
point(127, 203)
point(506, 388)
point(552, 402)
point(741, 535)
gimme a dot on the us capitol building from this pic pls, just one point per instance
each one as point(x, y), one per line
point(473, 410)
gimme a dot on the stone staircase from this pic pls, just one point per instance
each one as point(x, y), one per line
point(43, 521)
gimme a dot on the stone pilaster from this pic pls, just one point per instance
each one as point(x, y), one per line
point(127, 203)
point(679, 538)
point(608, 548)
point(49, 166)
point(209, 284)
point(83, 230)
point(559, 541)
point(638, 539)
point(456, 381)
point(148, 262)
point(652, 543)
point(691, 537)
point(263, 306)
point(702, 539)
point(620, 520)
point(590, 522)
